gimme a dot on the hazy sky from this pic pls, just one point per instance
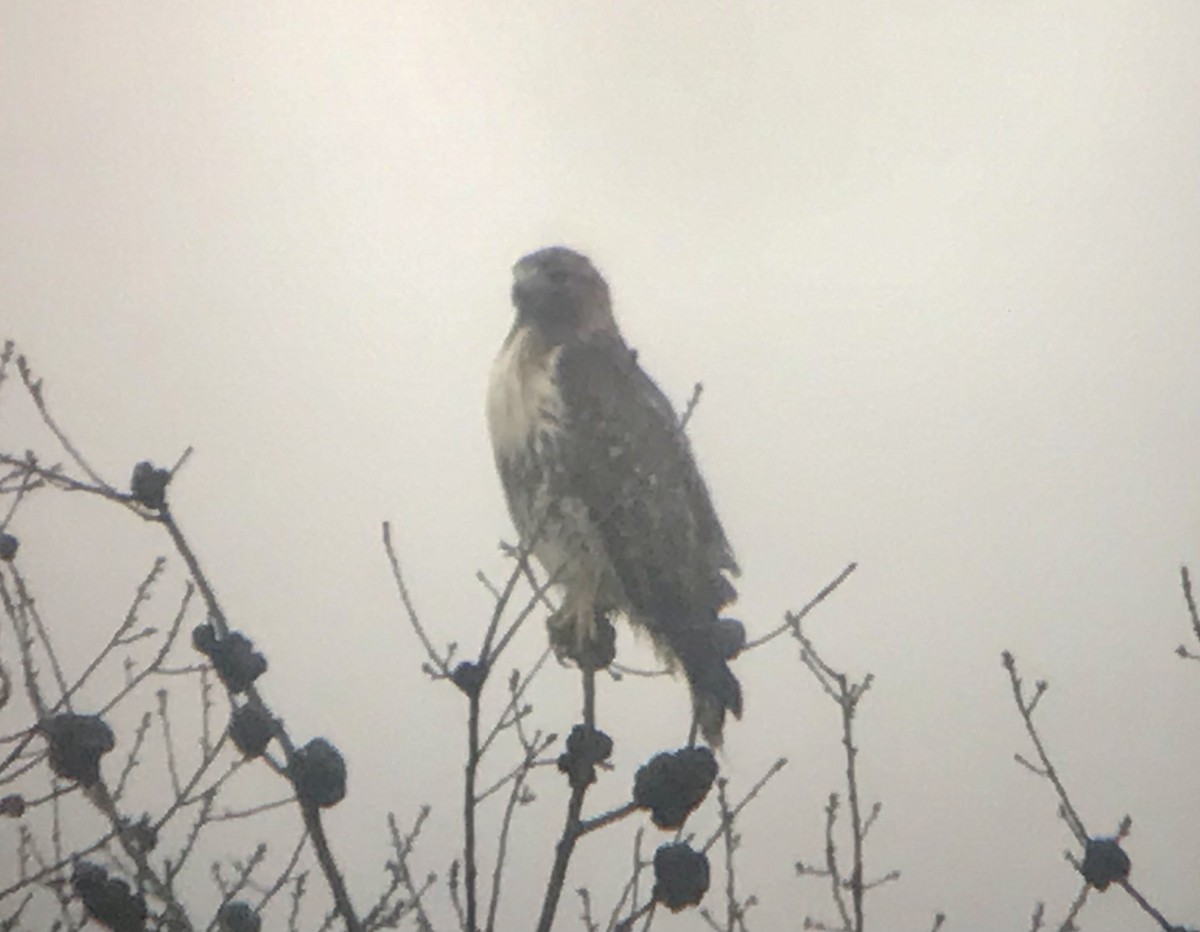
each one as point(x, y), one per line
point(937, 265)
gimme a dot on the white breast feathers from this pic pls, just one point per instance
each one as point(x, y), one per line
point(522, 396)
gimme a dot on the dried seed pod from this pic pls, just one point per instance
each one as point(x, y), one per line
point(234, 658)
point(252, 728)
point(12, 805)
point(318, 774)
point(1104, 862)
point(680, 876)
point(149, 485)
point(77, 742)
point(672, 784)
point(108, 900)
point(238, 916)
point(469, 677)
point(586, 747)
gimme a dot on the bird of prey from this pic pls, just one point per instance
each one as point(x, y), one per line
point(601, 482)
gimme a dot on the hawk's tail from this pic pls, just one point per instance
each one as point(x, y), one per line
point(715, 690)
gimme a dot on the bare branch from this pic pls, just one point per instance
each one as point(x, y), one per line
point(1046, 770)
point(794, 618)
point(441, 664)
point(1186, 582)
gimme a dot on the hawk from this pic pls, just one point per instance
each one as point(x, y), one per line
point(601, 482)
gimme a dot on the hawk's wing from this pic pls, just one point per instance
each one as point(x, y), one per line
point(629, 461)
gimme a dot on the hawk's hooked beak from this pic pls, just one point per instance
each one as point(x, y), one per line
point(528, 278)
point(525, 272)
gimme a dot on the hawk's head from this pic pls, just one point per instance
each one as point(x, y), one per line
point(560, 292)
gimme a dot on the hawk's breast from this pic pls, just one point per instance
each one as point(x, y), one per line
point(523, 397)
point(531, 434)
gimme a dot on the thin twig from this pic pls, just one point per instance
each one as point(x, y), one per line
point(732, 907)
point(515, 695)
point(520, 569)
point(514, 797)
point(630, 890)
point(538, 595)
point(690, 407)
point(243, 878)
point(35, 618)
point(159, 658)
point(34, 387)
point(284, 876)
point(132, 759)
point(168, 742)
point(27, 483)
point(1186, 581)
point(606, 818)
point(403, 847)
point(762, 781)
point(440, 663)
point(1047, 768)
point(794, 618)
point(541, 743)
point(1146, 906)
point(847, 694)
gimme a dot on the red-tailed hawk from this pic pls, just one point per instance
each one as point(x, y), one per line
point(601, 481)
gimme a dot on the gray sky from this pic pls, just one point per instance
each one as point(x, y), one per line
point(937, 265)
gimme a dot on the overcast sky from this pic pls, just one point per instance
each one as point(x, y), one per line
point(937, 265)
